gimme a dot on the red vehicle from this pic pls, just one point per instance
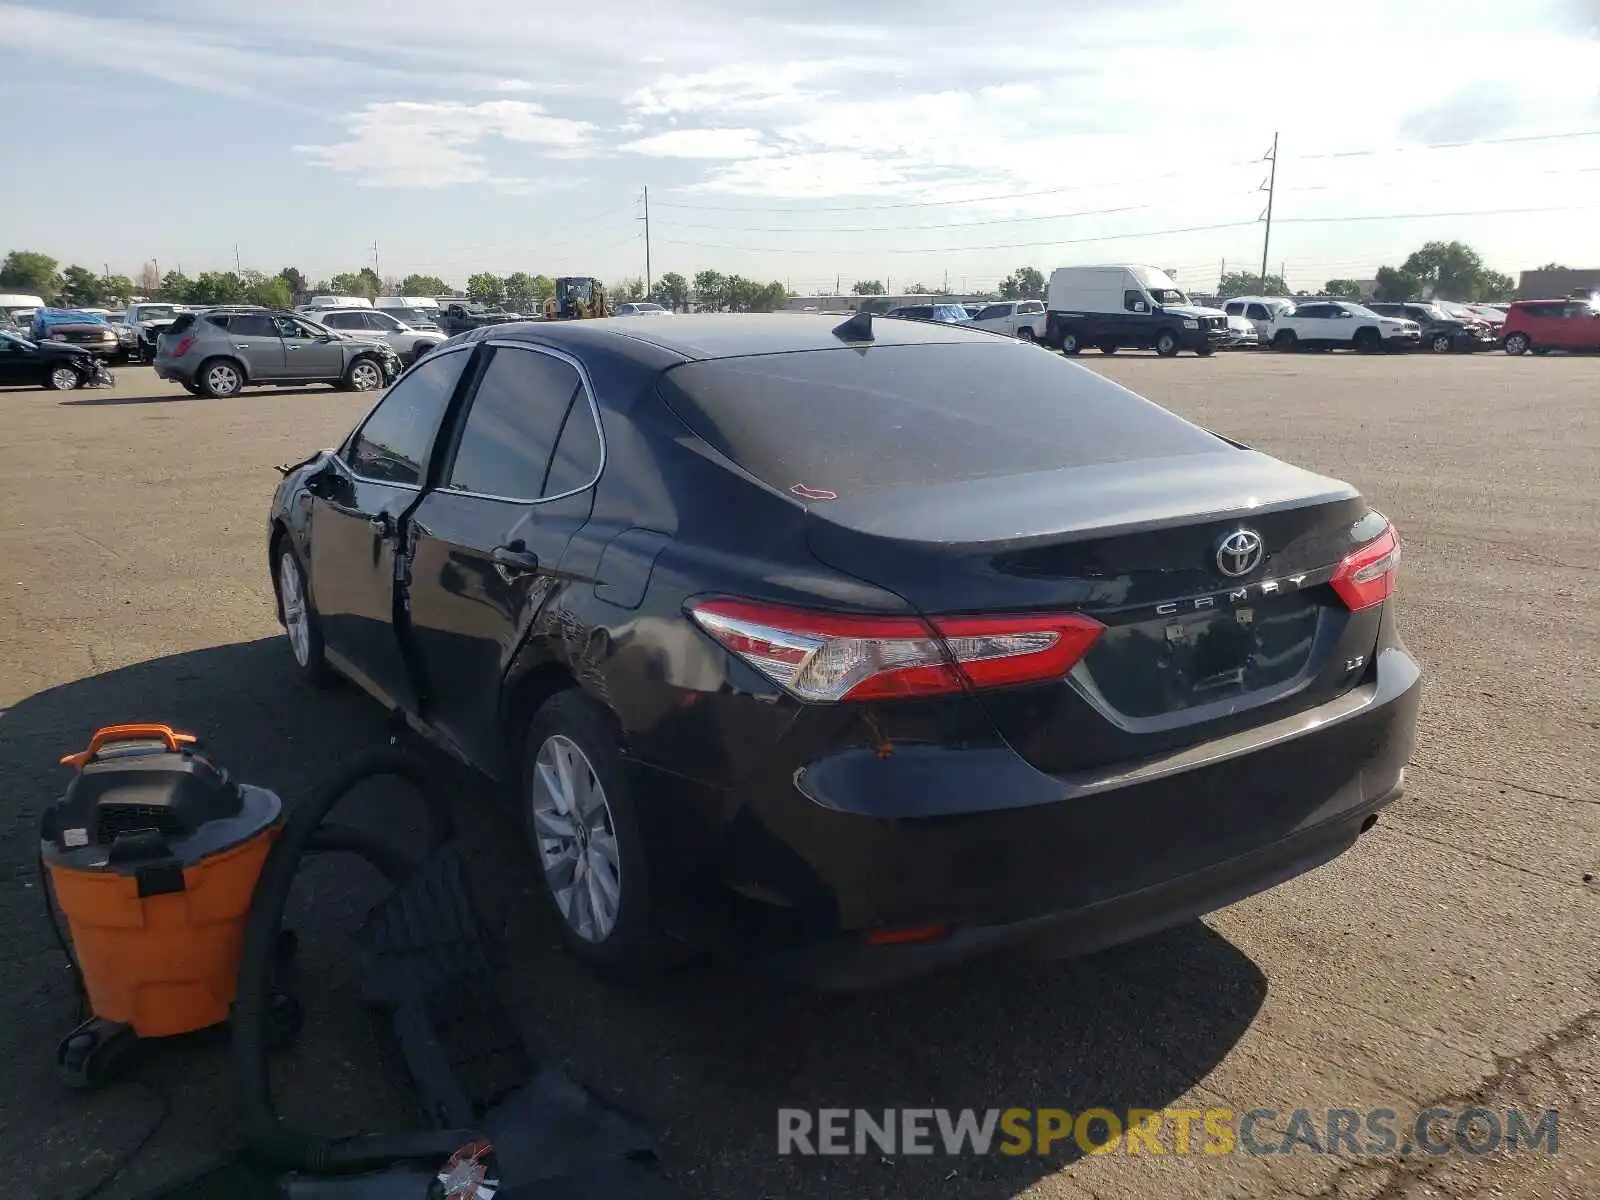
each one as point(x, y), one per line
point(1541, 325)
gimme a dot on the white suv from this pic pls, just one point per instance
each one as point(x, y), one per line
point(1259, 311)
point(376, 325)
point(1341, 325)
point(1020, 318)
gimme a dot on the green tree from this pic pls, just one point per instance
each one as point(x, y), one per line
point(81, 288)
point(116, 289)
point(1247, 283)
point(711, 290)
point(1553, 266)
point(1447, 270)
point(1025, 283)
point(546, 287)
point(920, 289)
point(269, 291)
point(671, 290)
point(770, 298)
point(293, 280)
point(176, 287)
point(217, 287)
point(149, 280)
point(1397, 283)
point(364, 282)
point(423, 285)
point(522, 294)
point(31, 272)
point(631, 288)
point(867, 287)
point(487, 289)
point(1344, 289)
point(1495, 285)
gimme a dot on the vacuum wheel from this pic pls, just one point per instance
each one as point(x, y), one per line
point(94, 1053)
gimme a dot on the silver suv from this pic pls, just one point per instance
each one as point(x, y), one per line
point(408, 342)
point(217, 353)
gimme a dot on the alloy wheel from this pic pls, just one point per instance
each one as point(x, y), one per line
point(577, 839)
point(365, 376)
point(292, 595)
point(222, 380)
point(64, 379)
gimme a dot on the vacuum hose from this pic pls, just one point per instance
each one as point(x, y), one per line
point(267, 1139)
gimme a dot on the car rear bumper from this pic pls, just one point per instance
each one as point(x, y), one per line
point(866, 845)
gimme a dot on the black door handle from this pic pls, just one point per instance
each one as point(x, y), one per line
point(514, 559)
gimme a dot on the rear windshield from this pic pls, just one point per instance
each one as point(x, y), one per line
point(897, 416)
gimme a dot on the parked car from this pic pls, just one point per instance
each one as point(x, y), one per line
point(642, 308)
point(951, 314)
point(419, 312)
point(1020, 318)
point(217, 353)
point(142, 324)
point(844, 684)
point(1124, 305)
point(78, 328)
point(1442, 330)
point(380, 325)
point(972, 310)
point(1342, 325)
point(1540, 325)
point(59, 366)
point(1493, 315)
point(1260, 311)
point(1242, 334)
point(459, 318)
point(317, 302)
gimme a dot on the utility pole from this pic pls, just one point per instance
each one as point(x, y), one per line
point(238, 269)
point(1270, 188)
point(377, 265)
point(647, 239)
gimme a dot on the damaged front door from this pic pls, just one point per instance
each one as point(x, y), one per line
point(359, 530)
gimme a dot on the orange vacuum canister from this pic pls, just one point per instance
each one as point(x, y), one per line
point(153, 853)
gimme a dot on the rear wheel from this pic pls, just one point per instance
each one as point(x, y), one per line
point(585, 833)
point(63, 378)
point(1108, 347)
point(220, 378)
point(1069, 342)
point(1284, 339)
point(1166, 343)
point(1026, 333)
point(1518, 343)
point(1205, 351)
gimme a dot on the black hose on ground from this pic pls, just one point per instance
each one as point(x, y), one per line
point(265, 1138)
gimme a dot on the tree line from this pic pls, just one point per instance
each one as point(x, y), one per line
point(1437, 270)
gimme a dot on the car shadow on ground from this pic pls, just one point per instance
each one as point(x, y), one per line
point(180, 398)
point(707, 1055)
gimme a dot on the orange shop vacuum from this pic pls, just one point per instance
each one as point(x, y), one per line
point(153, 854)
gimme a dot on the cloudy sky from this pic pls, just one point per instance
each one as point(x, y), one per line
point(905, 141)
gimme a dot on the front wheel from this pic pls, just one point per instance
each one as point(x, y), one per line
point(1108, 347)
point(1368, 341)
point(63, 378)
point(1205, 351)
point(586, 836)
point(364, 375)
point(1517, 343)
point(1442, 343)
point(1284, 339)
point(300, 617)
point(1166, 343)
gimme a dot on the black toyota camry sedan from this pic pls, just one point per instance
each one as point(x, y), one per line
point(861, 648)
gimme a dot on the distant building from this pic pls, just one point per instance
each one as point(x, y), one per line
point(1564, 281)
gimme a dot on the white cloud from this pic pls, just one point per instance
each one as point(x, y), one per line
point(733, 87)
point(702, 143)
point(432, 145)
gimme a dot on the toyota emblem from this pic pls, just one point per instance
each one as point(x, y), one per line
point(1239, 553)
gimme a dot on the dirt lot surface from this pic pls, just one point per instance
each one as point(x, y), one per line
point(1450, 958)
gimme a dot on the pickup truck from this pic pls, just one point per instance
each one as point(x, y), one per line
point(1020, 318)
point(458, 318)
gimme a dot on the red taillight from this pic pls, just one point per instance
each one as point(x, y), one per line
point(1366, 577)
point(182, 347)
point(825, 657)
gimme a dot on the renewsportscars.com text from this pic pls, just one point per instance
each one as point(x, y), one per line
point(1350, 1132)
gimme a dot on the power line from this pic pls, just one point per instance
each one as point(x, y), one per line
point(1110, 237)
point(1482, 212)
point(1093, 212)
point(1500, 141)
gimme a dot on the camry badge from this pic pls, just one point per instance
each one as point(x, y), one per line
point(1239, 553)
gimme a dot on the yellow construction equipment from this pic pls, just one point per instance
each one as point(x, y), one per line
point(577, 298)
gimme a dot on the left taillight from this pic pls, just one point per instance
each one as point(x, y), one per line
point(1366, 576)
point(182, 347)
point(828, 657)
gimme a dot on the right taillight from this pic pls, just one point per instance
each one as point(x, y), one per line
point(828, 657)
point(1366, 576)
point(182, 347)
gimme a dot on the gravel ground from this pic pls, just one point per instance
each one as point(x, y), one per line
point(1449, 958)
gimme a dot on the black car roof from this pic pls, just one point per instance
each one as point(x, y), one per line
point(727, 335)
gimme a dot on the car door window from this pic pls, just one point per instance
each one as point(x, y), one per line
point(517, 413)
point(252, 325)
point(1233, 308)
point(342, 320)
point(378, 322)
point(1030, 307)
point(291, 329)
point(392, 444)
point(576, 462)
point(1257, 312)
point(994, 310)
point(1134, 301)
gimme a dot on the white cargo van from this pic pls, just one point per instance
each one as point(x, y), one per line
point(1125, 305)
point(19, 306)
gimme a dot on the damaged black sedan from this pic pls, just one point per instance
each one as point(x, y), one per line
point(861, 649)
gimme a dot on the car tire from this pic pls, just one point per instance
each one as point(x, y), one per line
point(1285, 340)
point(220, 378)
point(1442, 343)
point(1517, 343)
point(612, 929)
point(1069, 343)
point(63, 378)
point(364, 374)
point(301, 624)
point(1205, 351)
point(1026, 333)
point(1167, 344)
point(1107, 347)
point(1367, 341)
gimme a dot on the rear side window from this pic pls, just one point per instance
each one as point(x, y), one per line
point(252, 325)
point(912, 415)
point(512, 425)
point(343, 321)
point(576, 463)
point(1551, 309)
point(392, 445)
